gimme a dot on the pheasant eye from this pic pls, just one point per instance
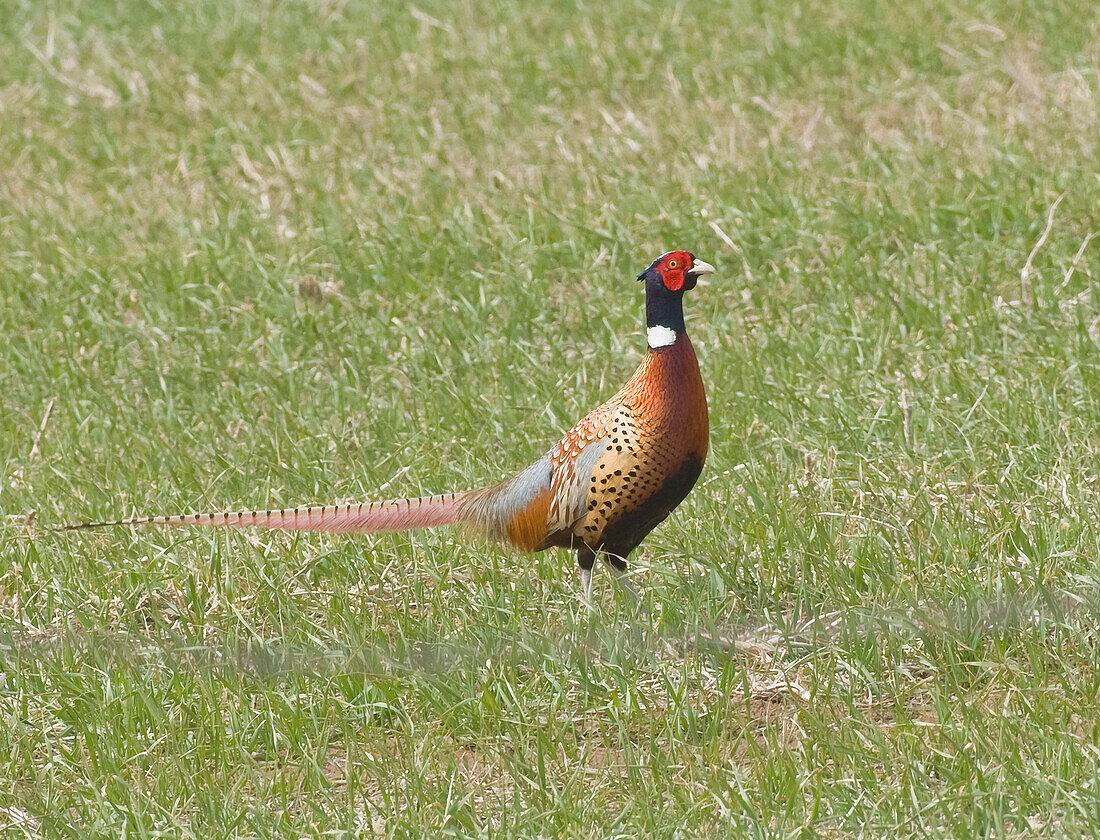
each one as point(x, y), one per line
point(673, 264)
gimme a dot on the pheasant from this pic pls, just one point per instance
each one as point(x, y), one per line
point(600, 490)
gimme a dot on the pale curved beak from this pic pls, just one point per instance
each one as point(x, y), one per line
point(699, 268)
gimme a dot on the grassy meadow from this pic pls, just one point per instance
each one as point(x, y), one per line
point(259, 254)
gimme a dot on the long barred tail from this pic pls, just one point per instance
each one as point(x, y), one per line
point(366, 518)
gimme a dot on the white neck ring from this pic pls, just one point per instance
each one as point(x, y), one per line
point(660, 337)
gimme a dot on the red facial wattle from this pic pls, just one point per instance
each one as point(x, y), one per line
point(673, 278)
point(673, 269)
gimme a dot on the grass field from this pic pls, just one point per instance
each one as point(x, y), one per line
point(263, 254)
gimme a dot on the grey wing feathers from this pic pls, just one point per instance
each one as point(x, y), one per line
point(571, 487)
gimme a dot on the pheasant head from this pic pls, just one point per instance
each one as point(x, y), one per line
point(666, 280)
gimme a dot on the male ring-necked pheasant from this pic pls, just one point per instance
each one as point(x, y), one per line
point(600, 490)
